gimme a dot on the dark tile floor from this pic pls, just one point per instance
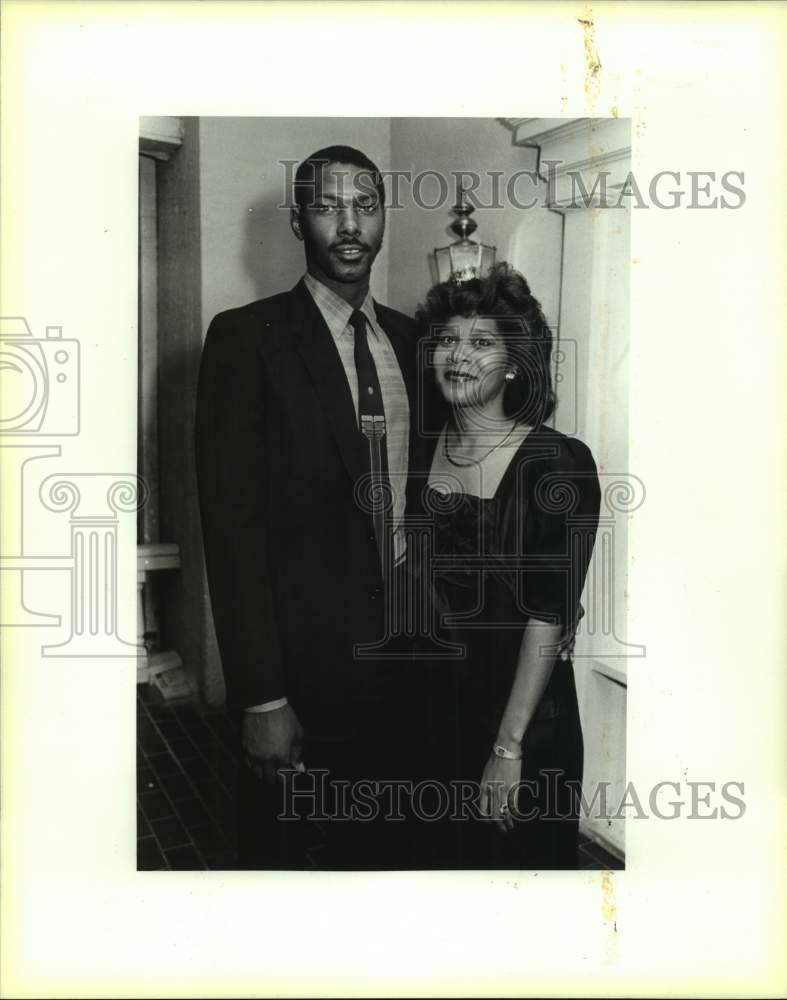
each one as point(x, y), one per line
point(186, 773)
point(186, 768)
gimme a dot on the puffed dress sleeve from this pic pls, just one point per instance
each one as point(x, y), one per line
point(560, 507)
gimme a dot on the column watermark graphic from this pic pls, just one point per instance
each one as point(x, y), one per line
point(41, 401)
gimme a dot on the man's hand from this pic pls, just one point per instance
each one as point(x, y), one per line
point(271, 740)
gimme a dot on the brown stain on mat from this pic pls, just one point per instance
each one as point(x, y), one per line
point(609, 918)
point(592, 60)
point(563, 88)
point(609, 907)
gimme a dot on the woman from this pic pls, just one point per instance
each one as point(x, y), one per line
point(515, 506)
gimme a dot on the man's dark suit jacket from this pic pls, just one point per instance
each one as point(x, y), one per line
point(293, 566)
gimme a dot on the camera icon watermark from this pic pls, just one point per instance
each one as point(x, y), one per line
point(40, 400)
point(39, 381)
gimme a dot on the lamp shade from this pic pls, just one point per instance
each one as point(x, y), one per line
point(465, 259)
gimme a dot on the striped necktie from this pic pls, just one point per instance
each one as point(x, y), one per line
point(371, 422)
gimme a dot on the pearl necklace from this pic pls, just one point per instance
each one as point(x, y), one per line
point(474, 461)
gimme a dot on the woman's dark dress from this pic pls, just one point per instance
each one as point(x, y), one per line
point(523, 553)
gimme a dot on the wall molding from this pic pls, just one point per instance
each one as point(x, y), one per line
point(539, 131)
point(160, 137)
point(588, 147)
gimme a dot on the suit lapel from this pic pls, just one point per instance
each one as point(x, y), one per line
point(318, 351)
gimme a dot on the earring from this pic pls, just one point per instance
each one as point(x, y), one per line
point(510, 376)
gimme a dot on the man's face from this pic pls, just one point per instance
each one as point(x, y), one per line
point(341, 226)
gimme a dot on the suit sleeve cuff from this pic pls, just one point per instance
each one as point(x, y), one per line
point(267, 706)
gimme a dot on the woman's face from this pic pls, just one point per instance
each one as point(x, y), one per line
point(470, 361)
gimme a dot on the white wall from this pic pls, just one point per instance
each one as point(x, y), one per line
point(595, 325)
point(147, 417)
point(595, 340)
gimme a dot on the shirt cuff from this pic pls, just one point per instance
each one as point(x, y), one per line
point(267, 706)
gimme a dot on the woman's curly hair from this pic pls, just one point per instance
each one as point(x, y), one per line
point(503, 295)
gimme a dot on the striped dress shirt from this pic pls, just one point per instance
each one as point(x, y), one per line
point(336, 313)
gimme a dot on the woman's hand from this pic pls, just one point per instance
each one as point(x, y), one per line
point(499, 778)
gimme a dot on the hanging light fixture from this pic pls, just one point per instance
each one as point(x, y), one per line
point(465, 259)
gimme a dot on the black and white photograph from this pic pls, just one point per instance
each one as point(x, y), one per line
point(392, 489)
point(383, 422)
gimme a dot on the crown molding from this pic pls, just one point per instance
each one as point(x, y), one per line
point(596, 149)
point(512, 124)
point(160, 137)
point(541, 131)
point(592, 162)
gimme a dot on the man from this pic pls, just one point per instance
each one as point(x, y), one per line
point(303, 411)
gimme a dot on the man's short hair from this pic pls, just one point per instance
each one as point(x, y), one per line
point(307, 172)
